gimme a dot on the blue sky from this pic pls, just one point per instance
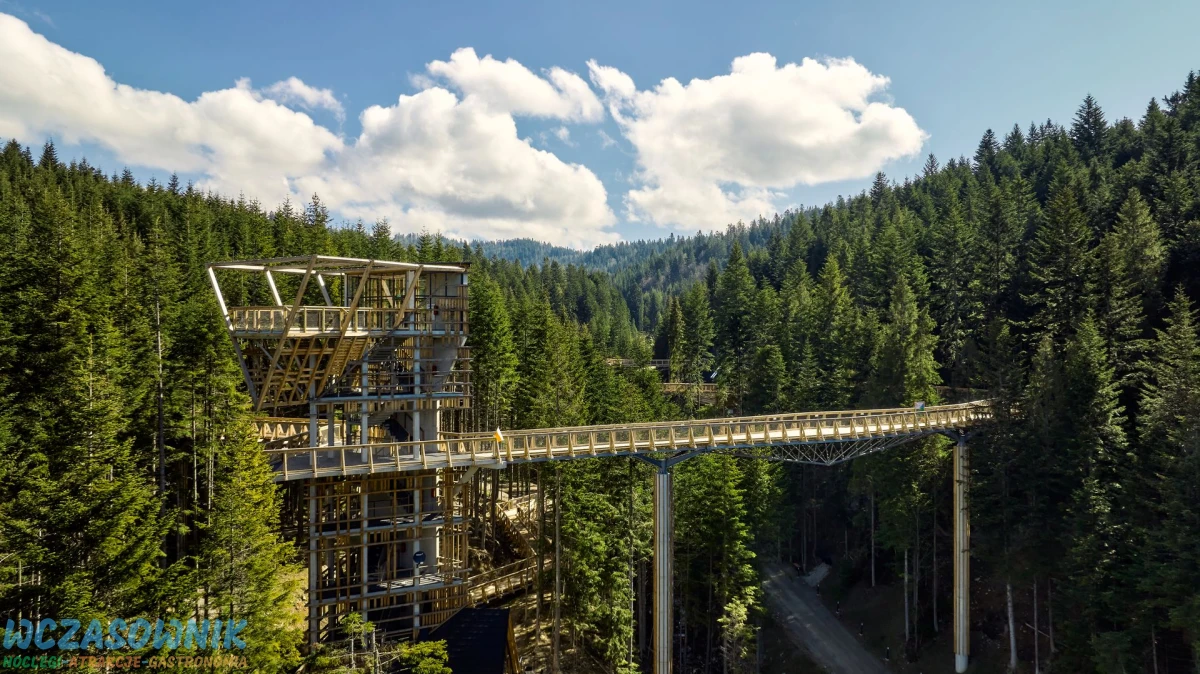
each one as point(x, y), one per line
point(954, 68)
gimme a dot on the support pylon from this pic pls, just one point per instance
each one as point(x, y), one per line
point(962, 557)
point(663, 552)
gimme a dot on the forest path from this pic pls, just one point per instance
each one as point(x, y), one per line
point(810, 625)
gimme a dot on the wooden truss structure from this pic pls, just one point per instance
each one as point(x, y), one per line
point(363, 352)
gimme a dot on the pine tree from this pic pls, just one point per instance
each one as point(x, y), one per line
point(734, 327)
point(985, 154)
point(905, 369)
point(1170, 431)
point(838, 343)
point(931, 167)
point(768, 381)
point(799, 241)
point(493, 358)
point(1120, 307)
point(79, 510)
point(999, 240)
point(677, 348)
point(956, 304)
point(713, 559)
point(49, 159)
point(1089, 132)
point(1061, 261)
point(1101, 563)
point(1139, 242)
point(381, 247)
point(248, 567)
point(698, 333)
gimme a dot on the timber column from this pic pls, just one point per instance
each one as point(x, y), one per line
point(962, 556)
point(663, 572)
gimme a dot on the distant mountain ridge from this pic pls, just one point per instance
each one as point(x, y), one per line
point(614, 257)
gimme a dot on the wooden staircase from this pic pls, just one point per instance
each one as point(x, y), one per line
point(517, 519)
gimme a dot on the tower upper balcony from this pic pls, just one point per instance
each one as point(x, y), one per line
point(307, 327)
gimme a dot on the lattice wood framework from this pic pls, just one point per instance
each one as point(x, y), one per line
point(363, 537)
point(366, 352)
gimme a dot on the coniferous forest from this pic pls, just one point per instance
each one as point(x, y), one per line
point(1054, 270)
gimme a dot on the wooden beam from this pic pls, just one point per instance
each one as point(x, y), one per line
point(237, 348)
point(346, 317)
point(287, 325)
point(387, 292)
point(324, 290)
point(411, 292)
point(274, 290)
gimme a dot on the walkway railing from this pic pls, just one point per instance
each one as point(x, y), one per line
point(503, 580)
point(446, 315)
point(521, 446)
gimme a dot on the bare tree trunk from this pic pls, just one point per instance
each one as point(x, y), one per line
point(907, 614)
point(934, 593)
point(803, 525)
point(917, 580)
point(1154, 649)
point(557, 566)
point(803, 540)
point(872, 535)
point(643, 622)
point(712, 612)
point(812, 486)
point(1050, 613)
point(541, 554)
point(1037, 661)
point(632, 589)
point(1012, 630)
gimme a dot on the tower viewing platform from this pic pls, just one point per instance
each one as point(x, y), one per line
point(340, 352)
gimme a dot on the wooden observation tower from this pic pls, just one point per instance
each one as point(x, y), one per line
point(341, 353)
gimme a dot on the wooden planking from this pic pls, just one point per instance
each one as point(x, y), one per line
point(815, 428)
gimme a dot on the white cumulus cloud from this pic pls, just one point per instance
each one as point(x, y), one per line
point(459, 166)
point(716, 150)
point(431, 160)
point(294, 90)
point(508, 86)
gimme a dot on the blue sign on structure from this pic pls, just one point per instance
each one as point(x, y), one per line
point(419, 557)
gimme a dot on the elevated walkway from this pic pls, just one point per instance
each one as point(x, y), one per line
point(823, 438)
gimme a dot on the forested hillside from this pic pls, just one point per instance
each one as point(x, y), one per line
point(1055, 269)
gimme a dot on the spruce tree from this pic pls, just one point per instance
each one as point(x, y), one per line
point(955, 298)
point(837, 345)
point(1089, 132)
point(735, 331)
point(1062, 260)
point(1169, 427)
point(248, 568)
point(1139, 242)
point(493, 357)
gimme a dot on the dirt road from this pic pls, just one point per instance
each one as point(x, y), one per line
point(811, 626)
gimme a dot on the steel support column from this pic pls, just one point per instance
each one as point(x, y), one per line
point(663, 573)
point(962, 557)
